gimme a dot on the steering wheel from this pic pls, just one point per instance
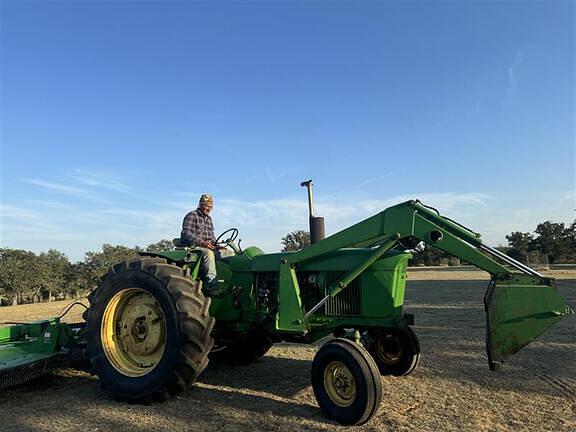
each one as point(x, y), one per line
point(224, 243)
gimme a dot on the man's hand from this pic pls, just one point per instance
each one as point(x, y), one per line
point(208, 244)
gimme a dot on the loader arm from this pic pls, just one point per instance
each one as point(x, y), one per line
point(520, 303)
point(409, 219)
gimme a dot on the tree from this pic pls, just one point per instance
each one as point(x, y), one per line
point(550, 240)
point(162, 245)
point(432, 256)
point(77, 279)
point(18, 273)
point(520, 244)
point(98, 263)
point(295, 241)
point(54, 265)
point(569, 236)
point(553, 241)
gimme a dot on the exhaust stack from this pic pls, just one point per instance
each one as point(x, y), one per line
point(317, 231)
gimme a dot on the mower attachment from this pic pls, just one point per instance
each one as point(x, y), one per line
point(519, 308)
point(30, 350)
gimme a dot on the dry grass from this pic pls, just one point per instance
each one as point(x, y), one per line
point(31, 312)
point(451, 390)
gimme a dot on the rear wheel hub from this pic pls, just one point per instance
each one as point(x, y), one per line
point(133, 332)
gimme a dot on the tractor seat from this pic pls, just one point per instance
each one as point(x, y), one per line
point(177, 242)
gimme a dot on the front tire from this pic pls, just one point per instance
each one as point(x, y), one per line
point(148, 330)
point(346, 382)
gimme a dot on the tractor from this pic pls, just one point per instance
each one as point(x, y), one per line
point(150, 330)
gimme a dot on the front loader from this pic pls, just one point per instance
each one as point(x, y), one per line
point(151, 331)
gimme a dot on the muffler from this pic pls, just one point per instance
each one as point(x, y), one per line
point(317, 231)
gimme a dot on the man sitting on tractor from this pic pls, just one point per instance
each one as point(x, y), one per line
point(198, 232)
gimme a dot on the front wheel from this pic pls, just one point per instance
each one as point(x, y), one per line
point(148, 330)
point(346, 382)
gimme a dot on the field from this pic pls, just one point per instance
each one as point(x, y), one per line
point(452, 389)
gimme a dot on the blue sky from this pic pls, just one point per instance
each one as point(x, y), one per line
point(115, 116)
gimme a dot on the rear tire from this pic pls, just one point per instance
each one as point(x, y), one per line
point(148, 330)
point(396, 351)
point(346, 382)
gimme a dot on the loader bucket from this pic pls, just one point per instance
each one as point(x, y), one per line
point(519, 308)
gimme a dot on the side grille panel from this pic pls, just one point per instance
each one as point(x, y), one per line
point(346, 303)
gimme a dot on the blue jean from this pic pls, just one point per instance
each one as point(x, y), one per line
point(208, 264)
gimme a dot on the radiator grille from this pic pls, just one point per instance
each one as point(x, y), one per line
point(347, 302)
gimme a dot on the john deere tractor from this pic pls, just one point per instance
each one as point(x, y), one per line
point(150, 330)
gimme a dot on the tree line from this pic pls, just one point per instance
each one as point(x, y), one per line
point(26, 277)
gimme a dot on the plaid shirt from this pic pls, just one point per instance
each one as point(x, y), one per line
point(196, 228)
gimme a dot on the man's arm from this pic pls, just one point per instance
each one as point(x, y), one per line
point(210, 229)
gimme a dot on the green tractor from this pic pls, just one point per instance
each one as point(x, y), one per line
point(150, 330)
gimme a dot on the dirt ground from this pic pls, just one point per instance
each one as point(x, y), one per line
point(452, 389)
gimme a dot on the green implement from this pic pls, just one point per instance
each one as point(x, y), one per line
point(29, 350)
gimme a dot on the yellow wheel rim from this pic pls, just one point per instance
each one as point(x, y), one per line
point(133, 332)
point(340, 384)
